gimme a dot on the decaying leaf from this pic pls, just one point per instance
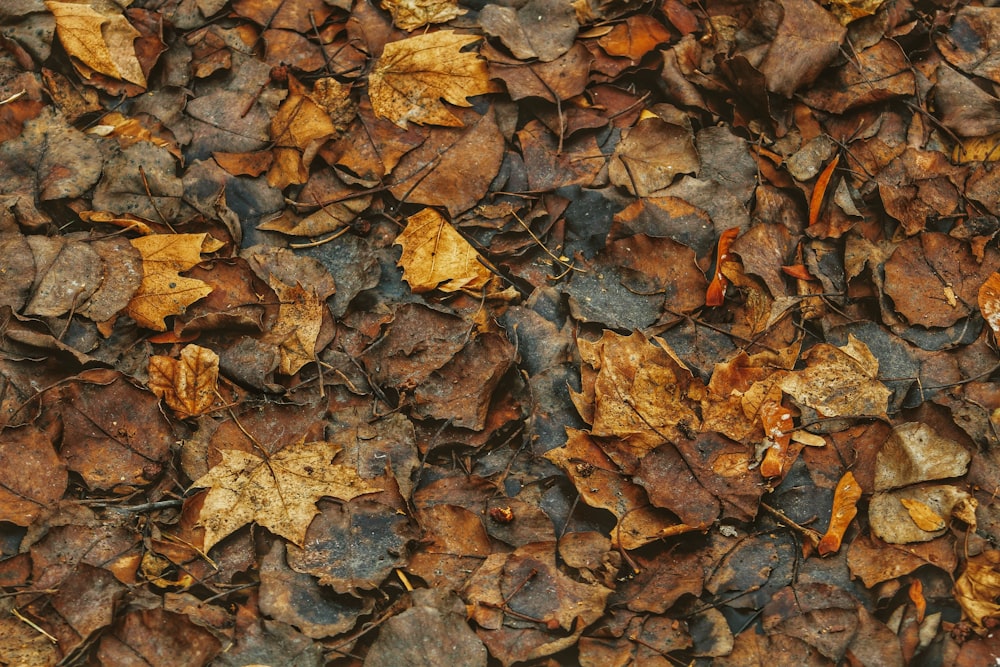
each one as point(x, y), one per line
point(300, 317)
point(915, 453)
point(978, 588)
point(278, 492)
point(98, 35)
point(922, 515)
point(436, 256)
point(412, 14)
point(163, 291)
point(914, 514)
point(187, 385)
point(845, 508)
point(989, 303)
point(413, 75)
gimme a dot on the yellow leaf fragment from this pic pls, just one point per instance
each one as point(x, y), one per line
point(436, 256)
point(979, 587)
point(413, 75)
point(188, 385)
point(848, 11)
point(989, 303)
point(922, 515)
point(412, 14)
point(278, 493)
point(163, 291)
point(845, 508)
point(97, 35)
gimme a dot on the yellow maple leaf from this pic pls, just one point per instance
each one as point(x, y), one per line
point(301, 125)
point(413, 75)
point(99, 36)
point(300, 317)
point(163, 291)
point(187, 385)
point(435, 256)
point(279, 492)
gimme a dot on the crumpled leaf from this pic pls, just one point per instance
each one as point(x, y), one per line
point(989, 303)
point(916, 513)
point(279, 492)
point(848, 11)
point(915, 453)
point(978, 588)
point(412, 14)
point(542, 29)
point(189, 384)
point(651, 155)
point(98, 35)
point(845, 508)
point(300, 317)
point(413, 75)
point(839, 381)
point(436, 256)
point(163, 291)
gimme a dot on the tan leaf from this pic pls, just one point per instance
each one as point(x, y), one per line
point(845, 508)
point(98, 35)
point(188, 385)
point(413, 75)
point(839, 382)
point(163, 291)
point(412, 14)
point(279, 493)
point(300, 317)
point(989, 303)
point(435, 256)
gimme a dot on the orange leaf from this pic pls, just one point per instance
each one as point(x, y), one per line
point(917, 596)
point(716, 293)
point(819, 191)
point(436, 256)
point(845, 508)
point(798, 271)
point(777, 421)
point(163, 291)
point(187, 385)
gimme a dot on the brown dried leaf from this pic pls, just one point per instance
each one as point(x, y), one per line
point(189, 384)
point(413, 75)
point(164, 291)
point(300, 318)
point(542, 29)
point(845, 508)
point(651, 155)
point(32, 477)
point(301, 125)
point(436, 256)
point(279, 492)
point(98, 35)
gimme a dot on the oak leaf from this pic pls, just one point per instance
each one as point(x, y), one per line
point(163, 291)
point(187, 385)
point(436, 256)
point(98, 35)
point(278, 493)
point(413, 75)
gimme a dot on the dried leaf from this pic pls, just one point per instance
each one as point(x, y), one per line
point(978, 588)
point(98, 35)
point(819, 190)
point(278, 493)
point(989, 303)
point(916, 594)
point(189, 384)
point(922, 515)
point(845, 508)
point(163, 291)
point(413, 75)
point(915, 453)
point(412, 14)
point(436, 256)
point(542, 29)
point(300, 317)
point(716, 293)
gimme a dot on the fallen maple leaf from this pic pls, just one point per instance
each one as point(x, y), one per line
point(99, 36)
point(163, 291)
point(279, 492)
point(436, 256)
point(845, 508)
point(299, 128)
point(413, 75)
point(300, 317)
point(187, 385)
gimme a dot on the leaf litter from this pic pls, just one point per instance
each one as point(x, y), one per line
point(552, 333)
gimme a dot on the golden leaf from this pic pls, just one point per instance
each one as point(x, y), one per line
point(979, 587)
point(163, 291)
point(922, 515)
point(187, 385)
point(412, 14)
point(435, 256)
point(99, 36)
point(279, 493)
point(298, 129)
point(413, 75)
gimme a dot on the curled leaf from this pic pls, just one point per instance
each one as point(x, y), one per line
point(845, 501)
